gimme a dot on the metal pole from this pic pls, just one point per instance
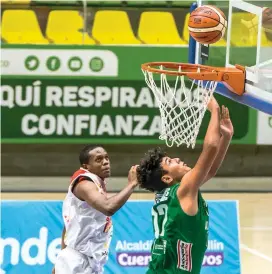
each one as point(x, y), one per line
point(85, 19)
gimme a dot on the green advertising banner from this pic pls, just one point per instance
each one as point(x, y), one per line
point(91, 95)
point(90, 61)
point(75, 111)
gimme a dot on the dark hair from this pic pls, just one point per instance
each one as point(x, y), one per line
point(149, 172)
point(84, 153)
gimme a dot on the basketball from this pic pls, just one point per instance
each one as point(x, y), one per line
point(207, 24)
point(267, 18)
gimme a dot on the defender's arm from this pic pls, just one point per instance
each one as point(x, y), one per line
point(107, 205)
point(62, 238)
point(62, 245)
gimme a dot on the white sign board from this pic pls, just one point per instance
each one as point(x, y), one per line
point(59, 62)
point(264, 129)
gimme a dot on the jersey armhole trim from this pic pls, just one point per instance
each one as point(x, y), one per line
point(78, 180)
point(181, 209)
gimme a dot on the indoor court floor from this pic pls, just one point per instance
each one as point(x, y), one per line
point(255, 221)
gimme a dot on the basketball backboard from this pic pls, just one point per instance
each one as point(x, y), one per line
point(247, 42)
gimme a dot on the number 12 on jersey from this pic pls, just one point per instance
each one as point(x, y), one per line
point(159, 219)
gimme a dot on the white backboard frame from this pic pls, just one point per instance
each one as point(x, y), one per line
point(254, 96)
point(252, 74)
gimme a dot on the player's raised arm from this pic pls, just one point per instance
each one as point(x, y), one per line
point(226, 130)
point(88, 192)
point(194, 178)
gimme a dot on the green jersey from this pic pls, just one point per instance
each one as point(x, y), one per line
point(180, 240)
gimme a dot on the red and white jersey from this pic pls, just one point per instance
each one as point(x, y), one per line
point(87, 230)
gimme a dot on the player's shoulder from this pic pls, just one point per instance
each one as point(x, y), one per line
point(173, 190)
point(80, 175)
point(167, 194)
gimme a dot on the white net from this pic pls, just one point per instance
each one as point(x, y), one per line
point(182, 109)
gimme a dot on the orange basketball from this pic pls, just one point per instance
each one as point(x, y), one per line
point(207, 24)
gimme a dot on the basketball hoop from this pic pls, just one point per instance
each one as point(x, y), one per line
point(182, 109)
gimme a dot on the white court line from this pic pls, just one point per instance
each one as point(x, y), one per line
point(257, 228)
point(255, 252)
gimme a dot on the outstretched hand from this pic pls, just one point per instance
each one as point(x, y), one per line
point(226, 127)
point(132, 176)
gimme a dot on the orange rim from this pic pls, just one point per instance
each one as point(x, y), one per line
point(234, 78)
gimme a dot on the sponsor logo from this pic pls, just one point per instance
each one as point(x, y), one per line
point(213, 259)
point(60, 62)
point(208, 12)
point(133, 258)
point(133, 246)
point(96, 64)
point(53, 63)
point(215, 254)
point(184, 255)
point(32, 62)
point(197, 20)
point(214, 245)
point(75, 63)
point(132, 254)
point(13, 252)
point(108, 225)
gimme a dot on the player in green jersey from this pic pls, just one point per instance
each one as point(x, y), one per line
point(180, 214)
